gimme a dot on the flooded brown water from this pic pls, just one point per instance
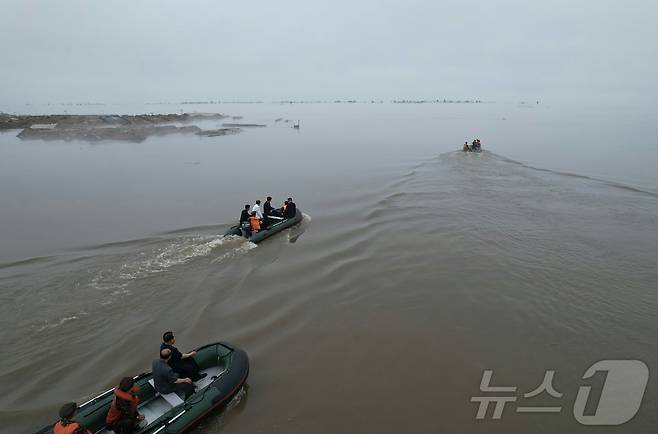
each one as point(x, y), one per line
point(416, 267)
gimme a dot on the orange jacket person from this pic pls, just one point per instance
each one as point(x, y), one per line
point(123, 416)
point(254, 221)
point(67, 423)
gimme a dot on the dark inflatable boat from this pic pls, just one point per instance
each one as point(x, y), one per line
point(227, 368)
point(271, 229)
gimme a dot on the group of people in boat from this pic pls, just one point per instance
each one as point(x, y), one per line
point(173, 372)
point(254, 219)
point(474, 147)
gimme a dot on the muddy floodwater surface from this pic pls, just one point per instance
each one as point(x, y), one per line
point(416, 266)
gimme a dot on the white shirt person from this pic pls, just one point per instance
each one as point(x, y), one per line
point(256, 208)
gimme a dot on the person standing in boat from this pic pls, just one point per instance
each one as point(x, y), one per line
point(123, 417)
point(268, 209)
point(270, 213)
point(256, 209)
point(244, 221)
point(67, 423)
point(166, 380)
point(244, 215)
point(182, 363)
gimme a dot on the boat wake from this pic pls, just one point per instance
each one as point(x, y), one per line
point(165, 255)
point(69, 288)
point(53, 324)
point(298, 230)
point(218, 422)
point(611, 183)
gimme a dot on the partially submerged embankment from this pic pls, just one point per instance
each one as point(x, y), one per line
point(134, 128)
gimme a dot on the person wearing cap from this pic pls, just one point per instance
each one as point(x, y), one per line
point(123, 418)
point(182, 363)
point(67, 423)
point(165, 380)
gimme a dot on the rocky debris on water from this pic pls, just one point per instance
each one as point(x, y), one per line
point(93, 128)
point(243, 125)
point(131, 134)
point(218, 132)
point(8, 122)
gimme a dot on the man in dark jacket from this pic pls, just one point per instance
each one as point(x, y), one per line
point(166, 380)
point(270, 214)
point(244, 215)
point(267, 206)
point(291, 209)
point(182, 363)
point(269, 210)
point(244, 221)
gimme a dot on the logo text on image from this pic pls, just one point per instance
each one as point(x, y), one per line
point(620, 399)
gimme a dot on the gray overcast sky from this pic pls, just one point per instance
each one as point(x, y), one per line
point(161, 50)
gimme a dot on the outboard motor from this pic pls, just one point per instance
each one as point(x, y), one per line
point(246, 229)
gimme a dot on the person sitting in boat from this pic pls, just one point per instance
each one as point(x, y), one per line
point(291, 209)
point(283, 208)
point(478, 142)
point(166, 380)
point(254, 222)
point(182, 363)
point(244, 221)
point(67, 423)
point(123, 417)
point(466, 147)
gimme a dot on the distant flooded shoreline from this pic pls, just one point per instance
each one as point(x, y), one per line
point(93, 128)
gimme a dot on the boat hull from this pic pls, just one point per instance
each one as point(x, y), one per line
point(271, 230)
point(232, 367)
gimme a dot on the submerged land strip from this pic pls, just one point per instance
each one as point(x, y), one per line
point(94, 128)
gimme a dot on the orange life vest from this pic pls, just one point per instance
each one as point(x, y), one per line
point(115, 414)
point(255, 223)
point(70, 427)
